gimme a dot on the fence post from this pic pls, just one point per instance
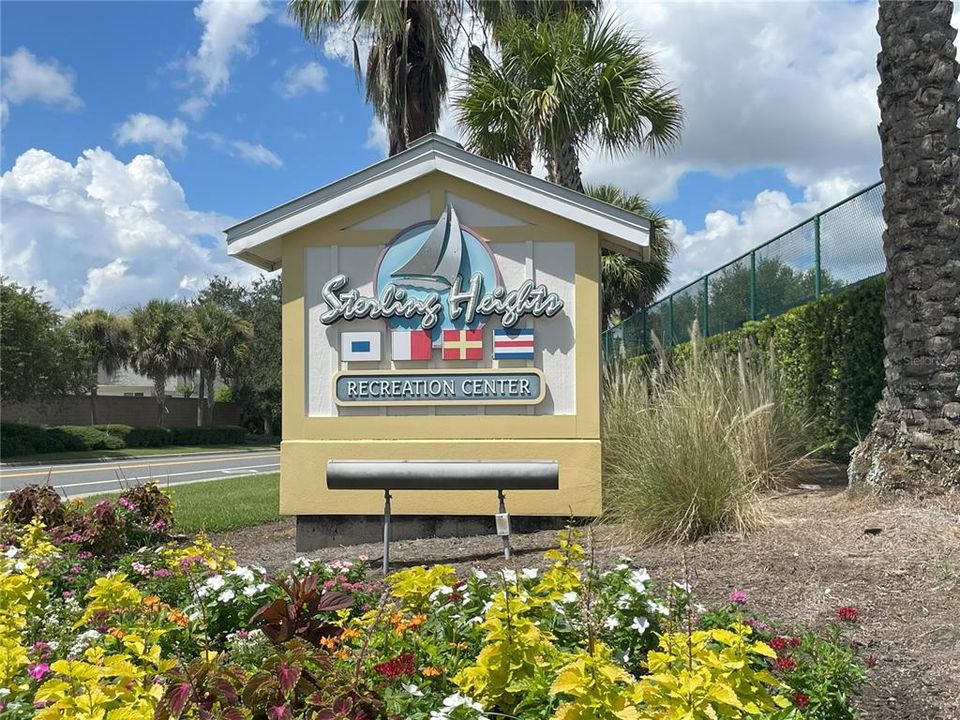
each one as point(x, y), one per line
point(816, 256)
point(706, 310)
point(644, 338)
point(669, 321)
point(753, 285)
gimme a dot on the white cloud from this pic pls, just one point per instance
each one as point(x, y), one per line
point(26, 78)
point(253, 153)
point(377, 137)
point(144, 129)
point(227, 32)
point(851, 237)
point(194, 107)
point(101, 232)
point(299, 80)
point(788, 85)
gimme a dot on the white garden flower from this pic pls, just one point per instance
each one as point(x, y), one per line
point(226, 596)
point(479, 574)
point(216, 582)
point(529, 573)
point(4, 691)
point(682, 586)
point(245, 573)
point(12, 551)
point(509, 575)
point(250, 591)
point(262, 586)
point(638, 580)
point(569, 597)
point(657, 607)
point(20, 566)
point(611, 623)
point(640, 624)
point(413, 690)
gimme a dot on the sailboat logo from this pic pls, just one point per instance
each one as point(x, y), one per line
point(427, 259)
point(436, 264)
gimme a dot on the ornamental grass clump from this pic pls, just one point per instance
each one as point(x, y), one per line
point(690, 444)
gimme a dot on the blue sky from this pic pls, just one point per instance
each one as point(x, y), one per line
point(134, 132)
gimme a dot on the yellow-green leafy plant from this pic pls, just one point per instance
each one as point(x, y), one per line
point(598, 688)
point(710, 674)
point(514, 667)
point(413, 586)
point(119, 686)
point(112, 593)
point(200, 552)
point(563, 575)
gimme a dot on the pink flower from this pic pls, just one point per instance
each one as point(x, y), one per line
point(738, 597)
point(162, 573)
point(37, 671)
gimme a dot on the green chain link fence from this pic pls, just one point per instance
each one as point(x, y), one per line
point(837, 247)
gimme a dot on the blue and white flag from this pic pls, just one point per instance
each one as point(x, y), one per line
point(514, 344)
point(357, 346)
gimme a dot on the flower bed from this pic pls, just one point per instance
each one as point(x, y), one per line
point(153, 628)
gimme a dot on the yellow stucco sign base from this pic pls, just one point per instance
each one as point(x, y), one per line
point(385, 228)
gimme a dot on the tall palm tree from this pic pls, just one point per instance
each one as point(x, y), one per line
point(222, 340)
point(406, 79)
point(163, 341)
point(567, 83)
point(104, 342)
point(915, 440)
point(627, 285)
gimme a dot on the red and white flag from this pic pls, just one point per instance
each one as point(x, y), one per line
point(411, 345)
point(463, 344)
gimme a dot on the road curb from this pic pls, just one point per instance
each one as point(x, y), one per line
point(95, 461)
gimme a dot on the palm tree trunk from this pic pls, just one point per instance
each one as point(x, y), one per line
point(211, 383)
point(568, 166)
point(93, 405)
point(160, 392)
point(915, 441)
point(200, 399)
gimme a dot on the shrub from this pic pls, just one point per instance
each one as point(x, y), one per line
point(23, 439)
point(83, 437)
point(831, 354)
point(688, 447)
point(216, 435)
point(33, 501)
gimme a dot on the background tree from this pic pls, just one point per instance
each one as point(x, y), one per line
point(565, 83)
point(104, 343)
point(222, 340)
point(406, 78)
point(254, 379)
point(162, 345)
point(627, 284)
point(915, 440)
point(38, 357)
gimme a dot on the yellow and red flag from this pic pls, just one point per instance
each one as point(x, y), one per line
point(462, 345)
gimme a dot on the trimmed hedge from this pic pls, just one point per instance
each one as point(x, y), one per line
point(831, 351)
point(22, 439)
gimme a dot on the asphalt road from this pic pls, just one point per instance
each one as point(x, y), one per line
point(88, 478)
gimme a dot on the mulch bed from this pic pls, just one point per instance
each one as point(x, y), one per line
point(898, 563)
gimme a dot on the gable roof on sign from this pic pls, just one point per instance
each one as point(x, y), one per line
point(256, 240)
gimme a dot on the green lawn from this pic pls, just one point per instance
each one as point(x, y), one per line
point(226, 504)
point(137, 452)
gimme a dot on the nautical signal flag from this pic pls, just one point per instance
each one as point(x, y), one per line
point(513, 344)
point(411, 344)
point(358, 346)
point(462, 345)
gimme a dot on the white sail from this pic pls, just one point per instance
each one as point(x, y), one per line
point(436, 264)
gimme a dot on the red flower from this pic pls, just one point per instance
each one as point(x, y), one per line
point(784, 664)
point(871, 660)
point(801, 700)
point(779, 643)
point(401, 665)
point(848, 614)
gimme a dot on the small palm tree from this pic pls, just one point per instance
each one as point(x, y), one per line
point(162, 346)
point(628, 285)
point(406, 78)
point(104, 342)
point(566, 83)
point(222, 340)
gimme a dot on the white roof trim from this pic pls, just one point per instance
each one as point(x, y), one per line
point(619, 229)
